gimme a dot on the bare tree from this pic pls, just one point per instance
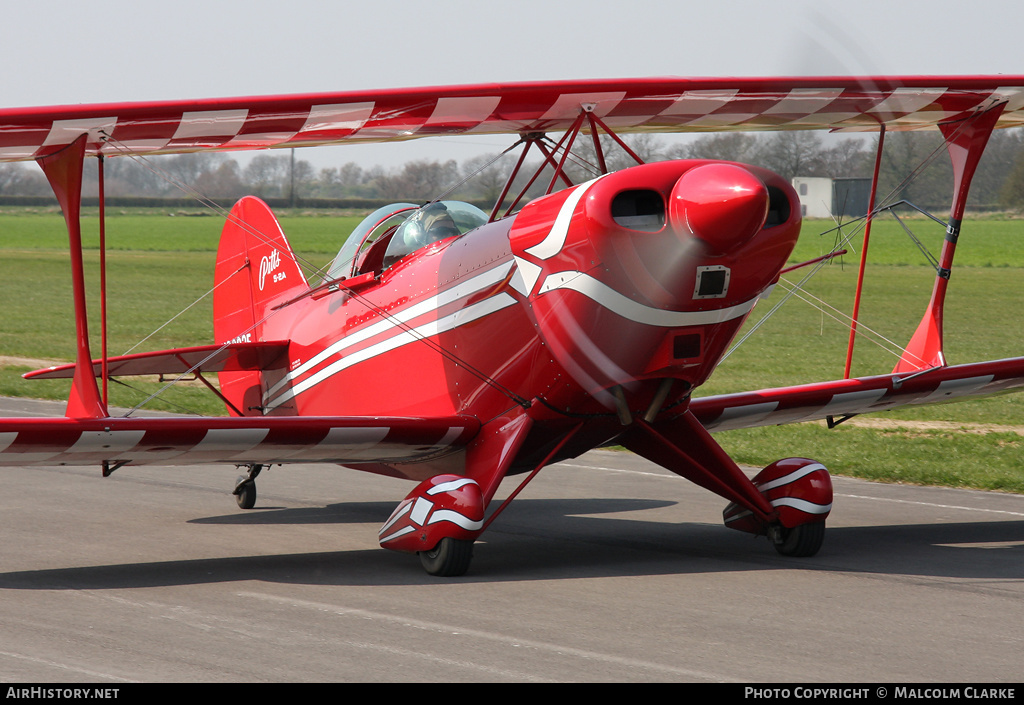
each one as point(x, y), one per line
point(422, 180)
point(916, 167)
point(223, 182)
point(268, 175)
point(586, 165)
point(847, 158)
point(791, 153)
point(1012, 192)
point(486, 177)
point(10, 175)
point(21, 180)
point(186, 168)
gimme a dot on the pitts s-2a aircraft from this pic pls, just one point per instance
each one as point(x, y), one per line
point(455, 347)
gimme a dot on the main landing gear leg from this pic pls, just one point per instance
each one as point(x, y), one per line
point(788, 501)
point(245, 487)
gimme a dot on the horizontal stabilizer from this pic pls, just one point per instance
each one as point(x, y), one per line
point(234, 357)
point(809, 402)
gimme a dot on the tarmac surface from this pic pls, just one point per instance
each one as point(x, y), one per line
point(605, 568)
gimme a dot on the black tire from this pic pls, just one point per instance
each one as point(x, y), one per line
point(449, 558)
point(802, 541)
point(245, 494)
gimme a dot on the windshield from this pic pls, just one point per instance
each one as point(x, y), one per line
point(372, 227)
point(408, 228)
point(432, 223)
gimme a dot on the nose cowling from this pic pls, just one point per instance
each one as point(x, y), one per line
point(646, 274)
point(722, 205)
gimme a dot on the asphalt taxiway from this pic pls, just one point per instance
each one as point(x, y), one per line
point(605, 568)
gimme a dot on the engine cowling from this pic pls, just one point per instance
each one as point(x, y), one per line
point(648, 273)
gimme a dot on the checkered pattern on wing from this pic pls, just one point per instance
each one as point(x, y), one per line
point(177, 441)
point(650, 104)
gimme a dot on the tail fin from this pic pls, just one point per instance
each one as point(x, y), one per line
point(255, 268)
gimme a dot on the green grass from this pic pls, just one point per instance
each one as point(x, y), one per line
point(190, 398)
point(991, 461)
point(179, 231)
point(983, 243)
point(159, 264)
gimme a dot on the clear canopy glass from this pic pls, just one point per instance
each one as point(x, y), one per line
point(409, 227)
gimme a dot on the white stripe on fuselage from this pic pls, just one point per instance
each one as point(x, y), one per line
point(394, 320)
point(635, 311)
point(553, 242)
point(441, 325)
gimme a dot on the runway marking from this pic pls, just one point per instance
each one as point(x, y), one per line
point(489, 636)
point(666, 475)
point(984, 544)
point(933, 504)
point(65, 667)
point(620, 470)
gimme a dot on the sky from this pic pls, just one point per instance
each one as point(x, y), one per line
point(59, 53)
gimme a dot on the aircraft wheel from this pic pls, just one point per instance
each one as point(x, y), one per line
point(245, 492)
point(802, 541)
point(449, 559)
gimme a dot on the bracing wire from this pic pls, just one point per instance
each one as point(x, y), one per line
point(888, 203)
point(209, 203)
point(890, 346)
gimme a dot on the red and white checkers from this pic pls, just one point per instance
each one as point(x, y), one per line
point(194, 440)
point(666, 104)
point(809, 402)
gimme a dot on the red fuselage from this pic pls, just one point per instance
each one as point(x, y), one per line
point(582, 306)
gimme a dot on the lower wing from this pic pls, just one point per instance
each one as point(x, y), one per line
point(847, 397)
point(241, 441)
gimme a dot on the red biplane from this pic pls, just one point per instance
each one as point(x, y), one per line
point(456, 347)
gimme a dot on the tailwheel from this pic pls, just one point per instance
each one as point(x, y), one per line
point(245, 492)
point(245, 487)
point(449, 558)
point(800, 541)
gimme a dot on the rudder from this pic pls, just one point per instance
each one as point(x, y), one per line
point(255, 269)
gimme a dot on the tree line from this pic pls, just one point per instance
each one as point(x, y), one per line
point(999, 182)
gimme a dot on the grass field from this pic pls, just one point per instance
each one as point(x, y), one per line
point(159, 264)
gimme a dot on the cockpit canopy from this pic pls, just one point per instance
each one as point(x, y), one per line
point(395, 230)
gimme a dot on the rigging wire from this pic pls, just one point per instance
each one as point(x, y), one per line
point(204, 200)
point(846, 319)
point(211, 204)
point(887, 204)
point(185, 310)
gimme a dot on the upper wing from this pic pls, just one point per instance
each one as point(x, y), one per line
point(657, 104)
point(808, 402)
